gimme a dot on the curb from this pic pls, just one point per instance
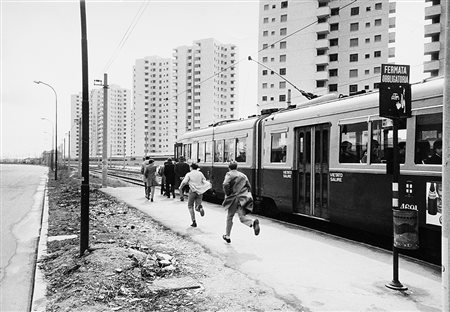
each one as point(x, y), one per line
point(38, 298)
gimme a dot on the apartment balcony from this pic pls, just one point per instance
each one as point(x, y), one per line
point(432, 11)
point(322, 75)
point(392, 22)
point(321, 44)
point(321, 59)
point(432, 47)
point(432, 29)
point(323, 11)
point(391, 52)
point(322, 28)
point(392, 37)
point(431, 66)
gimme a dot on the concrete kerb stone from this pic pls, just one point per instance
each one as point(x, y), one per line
point(38, 298)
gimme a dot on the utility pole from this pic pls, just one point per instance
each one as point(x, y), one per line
point(446, 168)
point(84, 220)
point(105, 129)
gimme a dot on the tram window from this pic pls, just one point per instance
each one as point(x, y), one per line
point(278, 147)
point(382, 141)
point(194, 155)
point(428, 149)
point(353, 142)
point(229, 150)
point(201, 152)
point(208, 149)
point(241, 148)
point(187, 151)
point(218, 151)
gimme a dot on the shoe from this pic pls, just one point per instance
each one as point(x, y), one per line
point(181, 198)
point(256, 226)
point(194, 224)
point(202, 212)
point(151, 199)
point(225, 238)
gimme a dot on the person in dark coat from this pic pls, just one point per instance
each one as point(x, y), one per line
point(238, 198)
point(143, 165)
point(181, 169)
point(169, 173)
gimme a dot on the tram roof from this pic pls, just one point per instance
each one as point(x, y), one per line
point(428, 88)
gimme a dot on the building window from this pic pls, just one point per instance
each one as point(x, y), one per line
point(284, 4)
point(321, 52)
point(320, 68)
point(377, 38)
point(321, 36)
point(333, 72)
point(334, 26)
point(334, 42)
point(283, 18)
point(282, 71)
point(368, 9)
point(366, 72)
point(320, 83)
point(354, 11)
point(354, 42)
point(283, 58)
point(265, 20)
point(353, 73)
point(264, 59)
point(334, 11)
point(367, 55)
point(264, 98)
point(282, 98)
point(264, 72)
point(378, 6)
point(353, 88)
point(265, 33)
point(283, 31)
point(376, 85)
point(354, 57)
point(378, 22)
point(377, 54)
point(322, 20)
point(282, 85)
point(354, 26)
point(367, 40)
point(283, 45)
point(377, 70)
point(332, 87)
point(333, 57)
point(266, 7)
point(264, 85)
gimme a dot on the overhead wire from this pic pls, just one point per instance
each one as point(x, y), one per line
point(127, 34)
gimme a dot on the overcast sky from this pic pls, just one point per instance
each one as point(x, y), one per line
point(41, 40)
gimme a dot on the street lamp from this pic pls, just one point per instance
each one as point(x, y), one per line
point(53, 149)
point(56, 124)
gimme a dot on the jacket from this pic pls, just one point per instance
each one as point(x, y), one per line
point(237, 191)
point(196, 181)
point(150, 175)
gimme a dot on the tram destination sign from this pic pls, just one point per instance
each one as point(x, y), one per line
point(395, 91)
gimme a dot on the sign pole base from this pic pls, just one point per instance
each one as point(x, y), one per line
point(396, 285)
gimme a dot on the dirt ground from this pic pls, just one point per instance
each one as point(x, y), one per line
point(136, 264)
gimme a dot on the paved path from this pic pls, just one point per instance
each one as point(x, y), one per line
point(306, 268)
point(22, 190)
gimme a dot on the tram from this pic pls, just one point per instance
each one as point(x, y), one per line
point(328, 159)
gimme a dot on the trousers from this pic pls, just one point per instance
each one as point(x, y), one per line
point(242, 217)
point(194, 198)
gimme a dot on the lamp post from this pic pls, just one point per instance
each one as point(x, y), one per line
point(53, 148)
point(56, 124)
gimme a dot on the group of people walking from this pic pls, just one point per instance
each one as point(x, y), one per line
point(189, 178)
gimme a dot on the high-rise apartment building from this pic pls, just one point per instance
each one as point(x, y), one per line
point(118, 124)
point(434, 48)
point(206, 84)
point(322, 46)
point(152, 106)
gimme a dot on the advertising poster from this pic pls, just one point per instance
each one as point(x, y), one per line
point(434, 203)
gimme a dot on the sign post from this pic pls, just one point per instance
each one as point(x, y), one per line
point(395, 104)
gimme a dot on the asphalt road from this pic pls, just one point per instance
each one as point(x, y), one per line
point(21, 195)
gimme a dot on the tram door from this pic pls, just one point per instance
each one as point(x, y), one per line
point(312, 157)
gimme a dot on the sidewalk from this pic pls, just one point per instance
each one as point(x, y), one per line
point(304, 267)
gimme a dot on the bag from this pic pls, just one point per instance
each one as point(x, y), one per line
point(161, 171)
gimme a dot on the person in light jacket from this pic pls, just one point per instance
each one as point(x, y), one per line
point(238, 198)
point(197, 186)
point(143, 165)
point(150, 176)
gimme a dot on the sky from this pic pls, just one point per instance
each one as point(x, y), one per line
point(41, 41)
